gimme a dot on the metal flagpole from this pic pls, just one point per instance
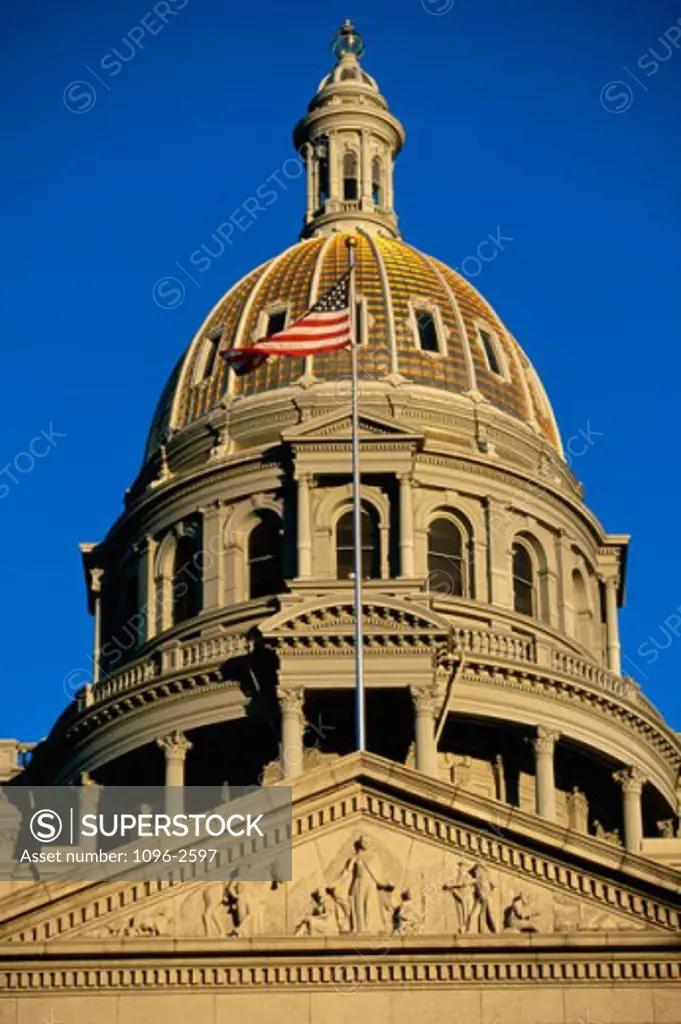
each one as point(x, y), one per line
point(356, 509)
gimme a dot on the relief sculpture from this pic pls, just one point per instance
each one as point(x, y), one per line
point(362, 895)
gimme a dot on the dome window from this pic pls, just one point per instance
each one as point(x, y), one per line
point(523, 581)
point(491, 348)
point(445, 558)
point(376, 182)
point(187, 591)
point(205, 364)
point(371, 545)
point(265, 561)
point(350, 189)
point(272, 319)
point(323, 180)
point(427, 331)
point(276, 322)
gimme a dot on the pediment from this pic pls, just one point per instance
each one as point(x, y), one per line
point(380, 850)
point(384, 617)
point(338, 426)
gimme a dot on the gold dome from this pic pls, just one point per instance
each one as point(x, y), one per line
point(394, 283)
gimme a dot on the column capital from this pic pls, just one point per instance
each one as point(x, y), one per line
point(291, 701)
point(425, 699)
point(545, 740)
point(631, 779)
point(176, 746)
point(96, 576)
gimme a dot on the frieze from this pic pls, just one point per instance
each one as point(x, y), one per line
point(373, 969)
point(390, 870)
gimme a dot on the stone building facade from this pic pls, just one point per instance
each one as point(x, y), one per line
point(507, 848)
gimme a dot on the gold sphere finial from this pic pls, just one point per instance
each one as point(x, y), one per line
point(351, 242)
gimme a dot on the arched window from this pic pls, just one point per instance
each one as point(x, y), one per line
point(350, 190)
point(523, 581)
point(322, 153)
point(582, 609)
point(132, 621)
point(446, 563)
point(187, 575)
point(265, 562)
point(376, 181)
point(371, 545)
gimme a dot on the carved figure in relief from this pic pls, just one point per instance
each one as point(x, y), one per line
point(666, 828)
point(405, 917)
point(366, 909)
point(480, 918)
point(320, 920)
point(461, 889)
point(609, 837)
point(517, 917)
point(212, 916)
point(238, 907)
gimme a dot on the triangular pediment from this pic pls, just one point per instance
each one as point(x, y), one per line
point(379, 849)
point(338, 426)
point(384, 617)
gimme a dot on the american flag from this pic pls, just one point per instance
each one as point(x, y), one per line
point(324, 328)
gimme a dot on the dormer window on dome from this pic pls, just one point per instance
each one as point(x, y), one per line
point(493, 352)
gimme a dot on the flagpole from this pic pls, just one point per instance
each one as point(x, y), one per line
point(351, 243)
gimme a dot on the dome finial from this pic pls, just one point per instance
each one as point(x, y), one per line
point(347, 40)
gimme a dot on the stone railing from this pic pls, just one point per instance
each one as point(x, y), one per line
point(596, 675)
point(171, 659)
point(487, 643)
point(176, 658)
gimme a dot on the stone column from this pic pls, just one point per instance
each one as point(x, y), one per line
point(544, 746)
point(304, 526)
point(96, 586)
point(292, 728)
point(499, 589)
point(365, 190)
point(213, 554)
point(334, 169)
point(612, 625)
point(406, 525)
point(309, 155)
point(88, 803)
point(147, 586)
point(565, 610)
point(176, 746)
point(387, 160)
point(631, 780)
point(425, 708)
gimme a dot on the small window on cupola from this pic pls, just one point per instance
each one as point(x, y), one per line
point(376, 181)
point(350, 190)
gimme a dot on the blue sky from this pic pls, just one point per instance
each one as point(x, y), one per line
point(512, 125)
